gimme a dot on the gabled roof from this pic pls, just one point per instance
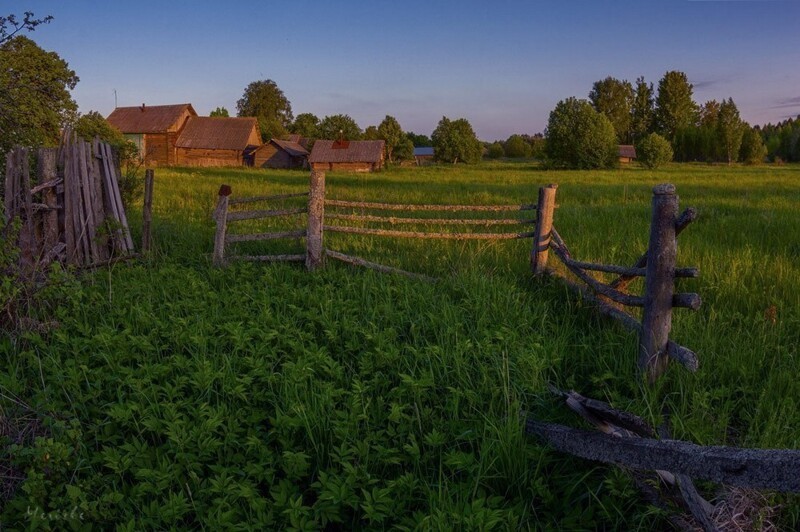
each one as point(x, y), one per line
point(218, 133)
point(148, 118)
point(292, 148)
point(423, 151)
point(626, 150)
point(357, 151)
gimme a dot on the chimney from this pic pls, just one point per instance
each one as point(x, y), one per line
point(142, 108)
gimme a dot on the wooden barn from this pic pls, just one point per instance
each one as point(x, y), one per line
point(626, 153)
point(423, 156)
point(217, 141)
point(347, 155)
point(280, 154)
point(154, 129)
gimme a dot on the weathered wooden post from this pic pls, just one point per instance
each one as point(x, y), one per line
point(46, 172)
point(316, 215)
point(544, 223)
point(659, 283)
point(221, 217)
point(147, 212)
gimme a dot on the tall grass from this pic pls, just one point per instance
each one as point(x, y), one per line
point(181, 395)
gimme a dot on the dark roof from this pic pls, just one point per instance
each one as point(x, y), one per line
point(218, 133)
point(292, 148)
point(357, 151)
point(148, 118)
point(626, 150)
point(423, 151)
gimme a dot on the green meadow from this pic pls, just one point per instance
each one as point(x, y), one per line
point(176, 395)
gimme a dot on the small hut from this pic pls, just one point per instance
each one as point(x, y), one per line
point(154, 129)
point(218, 141)
point(280, 154)
point(423, 155)
point(347, 155)
point(626, 153)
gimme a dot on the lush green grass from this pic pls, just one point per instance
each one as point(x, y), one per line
point(180, 395)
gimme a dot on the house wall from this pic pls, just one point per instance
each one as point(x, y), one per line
point(201, 157)
point(269, 156)
point(158, 151)
point(347, 167)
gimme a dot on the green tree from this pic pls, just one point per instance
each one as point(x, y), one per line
point(265, 101)
point(753, 150)
point(420, 141)
point(35, 100)
point(371, 133)
point(614, 98)
point(675, 108)
point(404, 150)
point(220, 111)
point(334, 127)
point(306, 125)
point(390, 131)
point(495, 150)
point(642, 110)
point(730, 129)
point(709, 113)
point(455, 141)
point(11, 25)
point(516, 147)
point(580, 137)
point(653, 151)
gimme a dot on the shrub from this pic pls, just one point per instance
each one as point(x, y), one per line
point(495, 151)
point(654, 151)
point(580, 137)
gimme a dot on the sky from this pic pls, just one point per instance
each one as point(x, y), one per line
point(502, 65)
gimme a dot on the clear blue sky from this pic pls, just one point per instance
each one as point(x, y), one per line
point(503, 65)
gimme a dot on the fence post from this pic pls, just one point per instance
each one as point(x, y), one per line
point(316, 214)
point(659, 283)
point(147, 212)
point(221, 217)
point(544, 223)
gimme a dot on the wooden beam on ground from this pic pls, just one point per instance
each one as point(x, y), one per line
point(269, 258)
point(355, 261)
point(774, 469)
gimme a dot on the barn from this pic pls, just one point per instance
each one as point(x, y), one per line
point(154, 129)
point(347, 155)
point(626, 153)
point(217, 141)
point(280, 154)
point(423, 155)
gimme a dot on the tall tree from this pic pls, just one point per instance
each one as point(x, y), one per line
point(371, 133)
point(709, 113)
point(334, 127)
point(753, 150)
point(642, 111)
point(390, 131)
point(419, 141)
point(11, 25)
point(220, 112)
point(730, 130)
point(35, 100)
point(580, 137)
point(265, 101)
point(455, 140)
point(675, 108)
point(306, 125)
point(614, 98)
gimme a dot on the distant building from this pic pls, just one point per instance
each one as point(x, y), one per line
point(153, 129)
point(281, 154)
point(423, 156)
point(218, 141)
point(350, 156)
point(626, 153)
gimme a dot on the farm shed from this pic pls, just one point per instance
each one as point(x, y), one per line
point(154, 129)
point(347, 155)
point(280, 154)
point(423, 155)
point(218, 141)
point(626, 153)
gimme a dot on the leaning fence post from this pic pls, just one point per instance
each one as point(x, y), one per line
point(659, 283)
point(316, 214)
point(221, 217)
point(544, 223)
point(147, 212)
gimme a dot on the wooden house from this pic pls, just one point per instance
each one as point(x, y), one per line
point(154, 129)
point(349, 156)
point(626, 153)
point(423, 156)
point(217, 141)
point(280, 154)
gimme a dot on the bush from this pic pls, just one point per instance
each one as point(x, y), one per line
point(495, 151)
point(654, 151)
point(580, 137)
point(516, 147)
point(753, 150)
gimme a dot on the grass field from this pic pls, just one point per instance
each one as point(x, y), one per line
point(177, 395)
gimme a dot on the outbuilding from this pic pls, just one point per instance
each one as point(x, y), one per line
point(154, 129)
point(218, 141)
point(626, 153)
point(279, 153)
point(347, 155)
point(423, 155)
